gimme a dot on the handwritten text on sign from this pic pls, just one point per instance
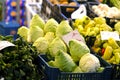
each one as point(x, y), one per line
point(73, 35)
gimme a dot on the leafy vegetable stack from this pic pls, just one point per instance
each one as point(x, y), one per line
point(18, 62)
point(48, 40)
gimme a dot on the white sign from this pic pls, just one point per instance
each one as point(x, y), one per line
point(73, 35)
point(79, 13)
point(105, 35)
point(4, 44)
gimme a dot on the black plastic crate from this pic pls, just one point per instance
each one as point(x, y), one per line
point(61, 12)
point(55, 74)
point(90, 4)
point(58, 11)
point(47, 8)
point(83, 1)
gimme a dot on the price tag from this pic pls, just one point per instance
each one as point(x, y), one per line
point(4, 44)
point(73, 35)
point(79, 13)
point(105, 35)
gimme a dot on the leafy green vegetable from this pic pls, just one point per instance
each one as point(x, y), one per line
point(52, 63)
point(37, 21)
point(100, 69)
point(51, 25)
point(23, 32)
point(7, 38)
point(56, 45)
point(49, 36)
point(64, 61)
point(34, 33)
point(77, 49)
point(41, 44)
point(63, 28)
point(18, 62)
point(77, 70)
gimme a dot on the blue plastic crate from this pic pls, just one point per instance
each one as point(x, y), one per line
point(116, 72)
point(9, 28)
point(55, 74)
point(1, 30)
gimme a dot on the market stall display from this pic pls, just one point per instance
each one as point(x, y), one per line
point(102, 39)
point(55, 49)
point(63, 47)
point(17, 59)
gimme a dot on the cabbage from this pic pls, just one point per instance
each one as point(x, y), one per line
point(49, 36)
point(89, 63)
point(37, 21)
point(34, 33)
point(52, 63)
point(64, 61)
point(51, 25)
point(77, 70)
point(56, 45)
point(77, 49)
point(41, 44)
point(23, 32)
point(63, 28)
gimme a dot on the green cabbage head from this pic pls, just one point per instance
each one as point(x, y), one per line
point(77, 70)
point(49, 36)
point(56, 45)
point(51, 25)
point(23, 32)
point(37, 21)
point(34, 33)
point(41, 44)
point(63, 28)
point(77, 49)
point(64, 61)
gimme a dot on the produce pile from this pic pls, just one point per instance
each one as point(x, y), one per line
point(104, 10)
point(18, 62)
point(64, 2)
point(115, 3)
point(47, 38)
point(91, 30)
